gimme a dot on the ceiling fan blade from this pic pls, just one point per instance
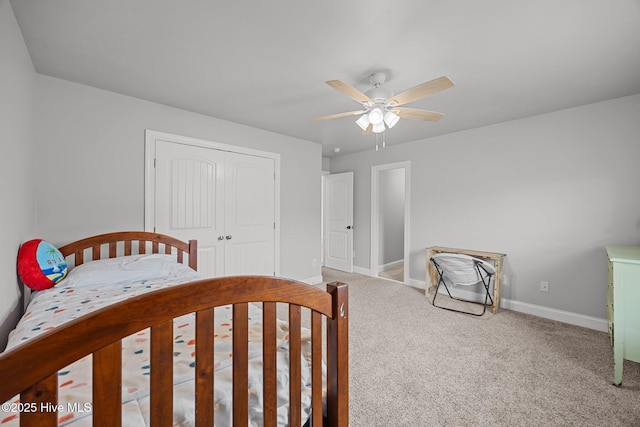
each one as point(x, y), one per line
point(416, 113)
point(350, 91)
point(336, 116)
point(420, 91)
point(368, 130)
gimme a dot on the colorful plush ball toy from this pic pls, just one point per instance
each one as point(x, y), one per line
point(40, 264)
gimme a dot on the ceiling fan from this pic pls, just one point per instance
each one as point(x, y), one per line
point(381, 109)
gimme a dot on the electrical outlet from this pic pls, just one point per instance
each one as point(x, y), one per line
point(544, 286)
point(314, 263)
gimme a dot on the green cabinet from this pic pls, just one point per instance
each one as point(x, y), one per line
point(623, 305)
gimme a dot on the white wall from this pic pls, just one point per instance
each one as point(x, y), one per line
point(326, 164)
point(17, 167)
point(90, 148)
point(550, 191)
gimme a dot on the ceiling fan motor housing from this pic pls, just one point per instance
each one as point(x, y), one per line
point(379, 95)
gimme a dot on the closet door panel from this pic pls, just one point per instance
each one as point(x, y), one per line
point(249, 214)
point(190, 200)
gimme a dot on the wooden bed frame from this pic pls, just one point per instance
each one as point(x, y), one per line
point(32, 367)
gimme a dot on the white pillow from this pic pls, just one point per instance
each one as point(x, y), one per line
point(121, 269)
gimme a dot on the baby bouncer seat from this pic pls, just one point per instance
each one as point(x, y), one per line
point(465, 270)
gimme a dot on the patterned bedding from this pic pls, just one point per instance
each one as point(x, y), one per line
point(96, 286)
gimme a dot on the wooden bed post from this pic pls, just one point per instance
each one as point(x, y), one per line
point(337, 360)
point(193, 254)
point(39, 398)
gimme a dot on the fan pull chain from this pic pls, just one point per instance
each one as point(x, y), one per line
point(384, 140)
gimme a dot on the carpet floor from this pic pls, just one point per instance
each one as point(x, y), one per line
point(396, 273)
point(412, 364)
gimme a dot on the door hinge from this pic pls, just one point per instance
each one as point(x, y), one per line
point(154, 162)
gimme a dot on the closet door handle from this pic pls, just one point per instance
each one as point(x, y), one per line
point(220, 237)
point(228, 237)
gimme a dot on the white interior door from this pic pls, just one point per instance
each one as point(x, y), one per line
point(338, 242)
point(224, 200)
point(249, 213)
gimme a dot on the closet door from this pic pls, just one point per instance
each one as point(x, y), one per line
point(190, 200)
point(225, 200)
point(249, 215)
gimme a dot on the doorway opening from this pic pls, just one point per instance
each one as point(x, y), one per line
point(390, 185)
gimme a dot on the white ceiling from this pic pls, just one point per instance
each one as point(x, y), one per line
point(264, 63)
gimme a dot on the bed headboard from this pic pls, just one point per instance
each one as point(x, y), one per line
point(123, 243)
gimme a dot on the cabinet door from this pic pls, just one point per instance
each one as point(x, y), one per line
point(610, 302)
point(626, 300)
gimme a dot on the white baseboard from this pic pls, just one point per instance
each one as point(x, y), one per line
point(560, 315)
point(313, 280)
point(569, 317)
point(361, 270)
point(419, 284)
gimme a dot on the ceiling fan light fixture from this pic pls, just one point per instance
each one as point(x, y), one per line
point(363, 121)
point(376, 116)
point(378, 128)
point(391, 118)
